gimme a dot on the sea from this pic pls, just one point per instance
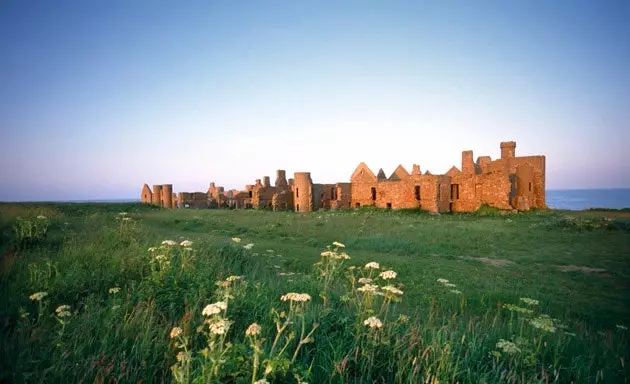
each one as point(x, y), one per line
point(580, 199)
point(572, 199)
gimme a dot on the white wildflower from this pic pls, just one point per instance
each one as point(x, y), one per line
point(170, 243)
point(152, 249)
point(63, 311)
point(122, 214)
point(214, 309)
point(508, 347)
point(261, 381)
point(543, 322)
point(114, 290)
point(387, 275)
point(443, 281)
point(450, 285)
point(373, 323)
point(455, 291)
point(253, 330)
point(236, 239)
point(365, 280)
point(126, 219)
point(299, 297)
point(219, 327)
point(622, 327)
point(529, 301)
point(176, 331)
point(338, 244)
point(42, 217)
point(248, 246)
point(234, 278)
point(515, 308)
point(186, 243)
point(372, 265)
point(391, 289)
point(368, 288)
point(38, 296)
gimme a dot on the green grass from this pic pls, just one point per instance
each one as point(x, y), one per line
point(124, 337)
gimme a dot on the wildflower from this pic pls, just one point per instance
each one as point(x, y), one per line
point(372, 265)
point(299, 297)
point(403, 318)
point(170, 243)
point(63, 311)
point(529, 301)
point(543, 322)
point(365, 280)
point(214, 309)
point(176, 331)
point(450, 285)
point(114, 290)
point(126, 218)
point(160, 258)
point(455, 291)
point(515, 308)
point(186, 243)
point(223, 284)
point(391, 289)
point(373, 322)
point(41, 217)
point(327, 254)
point(342, 256)
point(387, 275)
point(183, 356)
point(219, 327)
point(338, 244)
point(443, 281)
point(352, 268)
point(368, 288)
point(122, 214)
point(248, 246)
point(622, 327)
point(236, 239)
point(234, 278)
point(38, 296)
point(253, 330)
point(152, 249)
point(508, 347)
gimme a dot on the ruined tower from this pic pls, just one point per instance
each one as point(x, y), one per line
point(266, 182)
point(146, 196)
point(303, 192)
point(167, 195)
point(468, 165)
point(281, 179)
point(157, 195)
point(508, 149)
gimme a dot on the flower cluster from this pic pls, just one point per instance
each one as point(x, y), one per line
point(296, 297)
point(388, 275)
point(529, 301)
point(253, 330)
point(516, 308)
point(63, 311)
point(176, 331)
point(38, 296)
point(508, 347)
point(214, 309)
point(373, 322)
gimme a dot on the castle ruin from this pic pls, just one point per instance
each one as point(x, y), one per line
point(510, 182)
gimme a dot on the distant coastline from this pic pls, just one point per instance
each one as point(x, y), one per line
point(570, 199)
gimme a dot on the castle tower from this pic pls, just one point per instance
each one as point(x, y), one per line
point(468, 165)
point(266, 182)
point(157, 195)
point(508, 149)
point(146, 196)
point(281, 178)
point(303, 192)
point(167, 195)
point(415, 170)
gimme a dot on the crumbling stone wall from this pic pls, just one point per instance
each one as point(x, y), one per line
point(510, 182)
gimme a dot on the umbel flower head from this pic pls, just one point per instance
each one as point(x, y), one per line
point(391, 289)
point(248, 246)
point(253, 330)
point(38, 296)
point(529, 301)
point(368, 288)
point(114, 290)
point(236, 239)
point(176, 331)
point(41, 217)
point(388, 275)
point(338, 244)
point(219, 327)
point(170, 243)
point(373, 322)
point(186, 243)
point(297, 297)
point(372, 265)
point(214, 309)
point(63, 311)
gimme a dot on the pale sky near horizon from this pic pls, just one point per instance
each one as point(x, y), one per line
point(97, 98)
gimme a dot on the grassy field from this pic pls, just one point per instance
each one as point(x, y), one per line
point(136, 314)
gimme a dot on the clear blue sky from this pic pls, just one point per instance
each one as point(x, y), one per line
point(99, 97)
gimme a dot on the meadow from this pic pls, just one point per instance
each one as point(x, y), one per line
point(133, 293)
